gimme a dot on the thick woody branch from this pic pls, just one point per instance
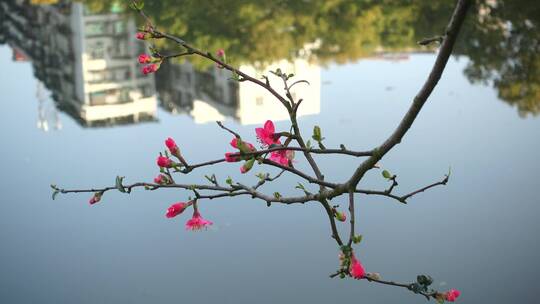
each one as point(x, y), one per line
point(420, 99)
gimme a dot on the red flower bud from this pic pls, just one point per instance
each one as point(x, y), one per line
point(161, 179)
point(171, 145)
point(151, 68)
point(176, 209)
point(142, 35)
point(164, 162)
point(144, 58)
point(452, 295)
point(96, 198)
point(230, 158)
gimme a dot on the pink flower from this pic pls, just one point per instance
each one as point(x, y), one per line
point(234, 144)
point(176, 209)
point(171, 144)
point(231, 158)
point(452, 295)
point(267, 134)
point(144, 58)
point(197, 222)
point(220, 53)
point(164, 162)
point(357, 270)
point(151, 68)
point(141, 36)
point(280, 157)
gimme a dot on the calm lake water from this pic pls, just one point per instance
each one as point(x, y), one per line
point(78, 113)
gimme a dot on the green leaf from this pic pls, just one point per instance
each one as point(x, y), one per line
point(277, 195)
point(228, 181)
point(308, 144)
point(301, 187)
point(425, 280)
point(137, 5)
point(386, 174)
point(357, 239)
point(119, 185)
point(317, 133)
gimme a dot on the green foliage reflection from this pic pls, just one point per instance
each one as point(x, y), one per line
point(501, 37)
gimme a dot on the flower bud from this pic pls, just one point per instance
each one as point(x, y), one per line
point(151, 68)
point(231, 158)
point(452, 295)
point(173, 148)
point(144, 58)
point(247, 166)
point(96, 198)
point(161, 179)
point(340, 216)
point(142, 35)
point(176, 209)
point(164, 162)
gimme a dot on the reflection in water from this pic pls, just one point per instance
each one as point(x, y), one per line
point(86, 55)
point(88, 62)
point(84, 60)
point(501, 38)
point(209, 95)
point(504, 47)
point(44, 109)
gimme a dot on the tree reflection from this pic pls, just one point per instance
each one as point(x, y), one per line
point(501, 37)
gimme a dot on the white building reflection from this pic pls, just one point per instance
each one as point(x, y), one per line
point(88, 63)
point(85, 60)
point(209, 96)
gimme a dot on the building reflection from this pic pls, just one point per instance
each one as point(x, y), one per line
point(85, 60)
point(210, 95)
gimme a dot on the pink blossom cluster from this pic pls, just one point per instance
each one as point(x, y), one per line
point(268, 139)
point(196, 222)
point(452, 295)
point(357, 269)
point(151, 63)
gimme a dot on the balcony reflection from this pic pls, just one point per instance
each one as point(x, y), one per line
point(85, 60)
point(85, 54)
point(210, 95)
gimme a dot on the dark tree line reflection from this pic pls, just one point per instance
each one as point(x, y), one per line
point(501, 38)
